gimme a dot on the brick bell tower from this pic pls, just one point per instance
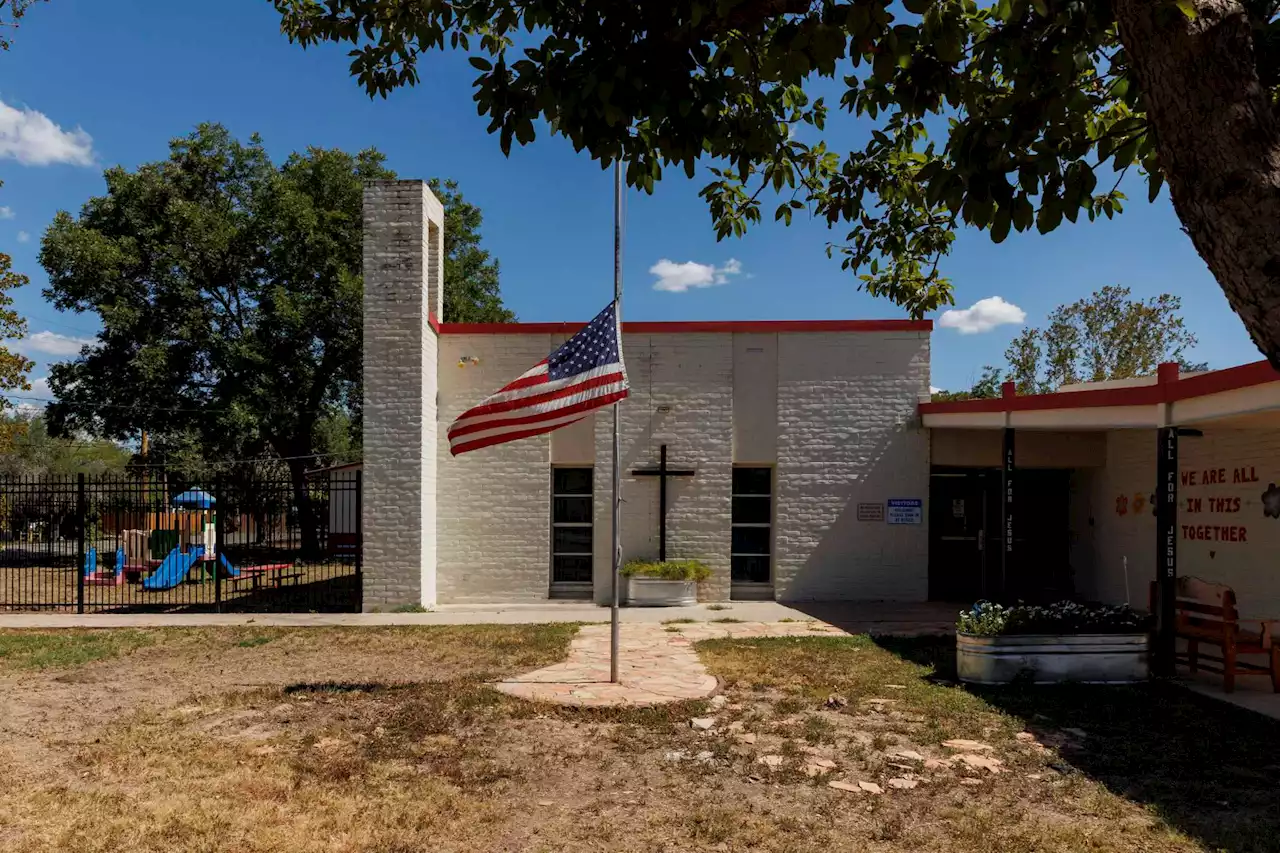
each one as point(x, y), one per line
point(403, 299)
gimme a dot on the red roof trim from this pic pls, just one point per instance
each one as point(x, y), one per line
point(433, 322)
point(1216, 382)
point(714, 326)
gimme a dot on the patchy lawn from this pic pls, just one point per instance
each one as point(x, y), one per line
point(388, 740)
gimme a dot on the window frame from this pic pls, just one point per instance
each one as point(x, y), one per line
point(588, 525)
point(756, 525)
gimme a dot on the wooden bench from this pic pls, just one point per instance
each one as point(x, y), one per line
point(1206, 613)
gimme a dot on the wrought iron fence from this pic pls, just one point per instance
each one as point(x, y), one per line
point(132, 543)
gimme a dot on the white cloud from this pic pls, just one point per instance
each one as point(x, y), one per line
point(677, 278)
point(39, 388)
point(24, 237)
point(982, 316)
point(934, 389)
point(7, 213)
point(31, 138)
point(52, 343)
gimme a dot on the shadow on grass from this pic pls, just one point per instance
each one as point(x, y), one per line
point(1207, 768)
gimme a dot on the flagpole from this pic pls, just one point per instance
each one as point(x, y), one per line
point(617, 443)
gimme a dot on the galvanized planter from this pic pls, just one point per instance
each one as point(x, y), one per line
point(1052, 659)
point(659, 592)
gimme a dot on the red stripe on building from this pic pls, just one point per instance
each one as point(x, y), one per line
point(695, 326)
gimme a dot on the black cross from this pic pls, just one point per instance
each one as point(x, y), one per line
point(662, 472)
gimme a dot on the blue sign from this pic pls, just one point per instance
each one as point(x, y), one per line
point(905, 511)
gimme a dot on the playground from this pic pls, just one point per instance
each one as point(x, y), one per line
point(91, 546)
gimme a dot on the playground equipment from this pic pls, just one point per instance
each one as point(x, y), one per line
point(97, 576)
point(275, 573)
point(174, 569)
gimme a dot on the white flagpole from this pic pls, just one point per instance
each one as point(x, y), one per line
point(617, 470)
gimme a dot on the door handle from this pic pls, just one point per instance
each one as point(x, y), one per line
point(982, 539)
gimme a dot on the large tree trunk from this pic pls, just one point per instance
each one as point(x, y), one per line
point(1219, 146)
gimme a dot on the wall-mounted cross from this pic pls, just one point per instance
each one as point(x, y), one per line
point(662, 472)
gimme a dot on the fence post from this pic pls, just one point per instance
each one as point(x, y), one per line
point(219, 505)
point(359, 540)
point(80, 525)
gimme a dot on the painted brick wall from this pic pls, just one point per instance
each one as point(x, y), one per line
point(493, 511)
point(402, 232)
point(1250, 566)
point(848, 432)
point(692, 375)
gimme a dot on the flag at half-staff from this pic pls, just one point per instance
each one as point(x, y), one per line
point(585, 373)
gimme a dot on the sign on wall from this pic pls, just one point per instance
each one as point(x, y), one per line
point(906, 511)
point(871, 512)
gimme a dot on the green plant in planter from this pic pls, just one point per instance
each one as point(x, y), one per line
point(669, 570)
point(986, 619)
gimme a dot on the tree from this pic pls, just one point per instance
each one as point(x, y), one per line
point(11, 12)
point(14, 368)
point(471, 293)
point(230, 295)
point(37, 453)
point(1105, 336)
point(1043, 102)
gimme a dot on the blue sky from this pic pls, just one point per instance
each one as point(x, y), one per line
point(117, 80)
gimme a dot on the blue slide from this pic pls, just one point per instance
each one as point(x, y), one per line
point(174, 569)
point(232, 571)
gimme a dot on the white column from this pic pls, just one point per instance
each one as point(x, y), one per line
point(403, 290)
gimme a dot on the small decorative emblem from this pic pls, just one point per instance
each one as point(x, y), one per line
point(1139, 501)
point(1271, 501)
point(1122, 505)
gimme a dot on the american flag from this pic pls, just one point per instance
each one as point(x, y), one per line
point(583, 374)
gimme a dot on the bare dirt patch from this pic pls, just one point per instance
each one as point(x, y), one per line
point(369, 740)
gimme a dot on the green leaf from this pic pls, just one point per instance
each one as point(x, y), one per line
point(1000, 225)
point(1188, 8)
point(1041, 7)
point(1154, 183)
point(480, 63)
point(917, 7)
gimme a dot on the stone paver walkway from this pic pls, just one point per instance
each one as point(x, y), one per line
point(654, 665)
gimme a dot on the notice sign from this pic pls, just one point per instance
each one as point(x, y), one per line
point(906, 511)
point(870, 512)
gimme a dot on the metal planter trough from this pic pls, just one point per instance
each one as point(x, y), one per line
point(1053, 658)
point(660, 592)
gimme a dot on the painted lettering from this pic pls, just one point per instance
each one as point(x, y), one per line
point(1194, 505)
point(1215, 533)
point(1188, 478)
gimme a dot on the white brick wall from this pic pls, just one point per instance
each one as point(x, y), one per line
point(1251, 567)
point(692, 374)
point(847, 433)
point(402, 222)
point(493, 510)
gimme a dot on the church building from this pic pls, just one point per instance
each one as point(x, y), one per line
point(800, 460)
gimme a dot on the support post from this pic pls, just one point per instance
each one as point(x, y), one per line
point(1007, 470)
point(662, 504)
point(219, 501)
point(80, 525)
point(1166, 549)
point(617, 427)
point(359, 525)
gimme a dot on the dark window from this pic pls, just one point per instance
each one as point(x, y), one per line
point(752, 525)
point(571, 531)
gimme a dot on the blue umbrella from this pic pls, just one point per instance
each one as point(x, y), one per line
point(194, 499)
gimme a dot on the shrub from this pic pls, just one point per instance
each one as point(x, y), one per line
point(985, 619)
point(671, 570)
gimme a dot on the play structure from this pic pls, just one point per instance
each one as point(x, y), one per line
point(162, 558)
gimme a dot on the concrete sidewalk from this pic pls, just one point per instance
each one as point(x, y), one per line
point(852, 617)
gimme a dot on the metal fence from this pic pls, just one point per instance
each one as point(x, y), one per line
point(132, 543)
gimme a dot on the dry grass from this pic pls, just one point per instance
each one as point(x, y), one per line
point(387, 740)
